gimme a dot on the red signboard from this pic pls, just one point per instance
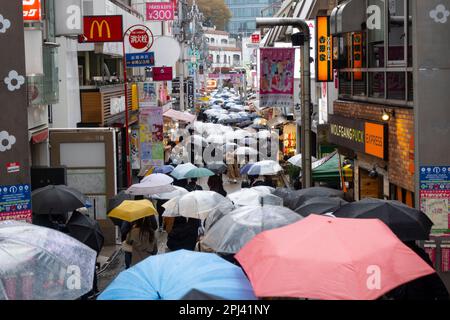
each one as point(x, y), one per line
point(162, 74)
point(256, 38)
point(102, 29)
point(31, 10)
point(160, 11)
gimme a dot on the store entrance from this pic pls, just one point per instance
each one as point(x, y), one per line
point(370, 187)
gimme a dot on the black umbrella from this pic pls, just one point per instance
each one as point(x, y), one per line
point(86, 230)
point(217, 167)
point(195, 294)
point(55, 200)
point(320, 205)
point(297, 198)
point(407, 223)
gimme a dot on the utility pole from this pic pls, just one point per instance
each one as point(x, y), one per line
point(306, 90)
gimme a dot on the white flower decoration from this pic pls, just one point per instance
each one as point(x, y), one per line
point(440, 14)
point(6, 141)
point(4, 24)
point(14, 80)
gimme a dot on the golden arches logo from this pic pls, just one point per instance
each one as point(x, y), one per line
point(100, 29)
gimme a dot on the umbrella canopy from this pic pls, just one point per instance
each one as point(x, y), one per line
point(320, 205)
point(164, 169)
point(198, 173)
point(407, 223)
point(245, 151)
point(178, 192)
point(265, 168)
point(195, 294)
point(246, 168)
point(264, 189)
point(196, 204)
point(181, 170)
point(154, 183)
point(172, 275)
point(57, 200)
point(330, 259)
point(197, 140)
point(254, 197)
point(230, 233)
point(296, 198)
point(217, 167)
point(216, 139)
point(44, 260)
point(86, 230)
point(297, 160)
point(248, 141)
point(133, 210)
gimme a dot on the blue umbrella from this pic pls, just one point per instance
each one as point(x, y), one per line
point(164, 169)
point(172, 275)
point(246, 168)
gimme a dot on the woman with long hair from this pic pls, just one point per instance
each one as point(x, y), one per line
point(142, 239)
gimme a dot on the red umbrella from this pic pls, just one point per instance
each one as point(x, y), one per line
point(330, 259)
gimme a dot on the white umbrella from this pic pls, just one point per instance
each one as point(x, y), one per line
point(265, 168)
point(196, 204)
point(264, 134)
point(197, 140)
point(245, 151)
point(216, 139)
point(178, 192)
point(297, 160)
point(264, 189)
point(50, 265)
point(180, 171)
point(254, 197)
point(154, 183)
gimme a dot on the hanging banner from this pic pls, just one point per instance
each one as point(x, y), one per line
point(277, 77)
point(324, 56)
point(102, 29)
point(15, 190)
point(162, 74)
point(151, 135)
point(147, 95)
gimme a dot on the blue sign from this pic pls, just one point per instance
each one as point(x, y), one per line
point(435, 178)
point(15, 202)
point(137, 60)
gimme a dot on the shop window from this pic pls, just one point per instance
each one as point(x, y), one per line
point(376, 85)
point(402, 195)
point(410, 86)
point(345, 83)
point(397, 32)
point(375, 32)
point(359, 83)
point(396, 85)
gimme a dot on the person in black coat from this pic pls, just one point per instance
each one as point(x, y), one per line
point(193, 186)
point(184, 234)
point(429, 287)
point(215, 183)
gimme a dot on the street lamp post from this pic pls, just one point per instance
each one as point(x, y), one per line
point(306, 90)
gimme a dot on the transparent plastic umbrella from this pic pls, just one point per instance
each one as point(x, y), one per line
point(297, 160)
point(266, 167)
point(254, 197)
point(196, 204)
point(232, 231)
point(181, 170)
point(154, 183)
point(38, 263)
point(178, 192)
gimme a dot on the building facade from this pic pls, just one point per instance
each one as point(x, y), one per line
point(242, 21)
point(222, 50)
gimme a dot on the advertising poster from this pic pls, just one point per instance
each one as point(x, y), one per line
point(151, 134)
point(134, 144)
point(277, 77)
point(148, 96)
point(435, 196)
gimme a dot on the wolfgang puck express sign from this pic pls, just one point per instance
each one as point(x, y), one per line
point(360, 135)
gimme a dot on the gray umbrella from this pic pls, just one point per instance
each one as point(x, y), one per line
point(320, 205)
point(217, 167)
point(296, 198)
point(234, 230)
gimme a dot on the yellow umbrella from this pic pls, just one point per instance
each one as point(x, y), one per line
point(133, 210)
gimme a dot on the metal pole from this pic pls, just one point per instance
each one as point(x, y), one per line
point(180, 17)
point(306, 92)
point(127, 143)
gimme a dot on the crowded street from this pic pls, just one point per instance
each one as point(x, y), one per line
point(195, 150)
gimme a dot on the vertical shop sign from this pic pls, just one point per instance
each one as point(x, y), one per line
point(357, 55)
point(324, 55)
point(31, 10)
point(15, 189)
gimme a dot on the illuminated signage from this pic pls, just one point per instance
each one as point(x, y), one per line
point(357, 55)
point(102, 29)
point(324, 54)
point(359, 135)
point(31, 10)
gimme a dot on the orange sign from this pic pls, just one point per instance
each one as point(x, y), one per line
point(375, 139)
point(31, 10)
point(102, 29)
point(357, 55)
point(324, 54)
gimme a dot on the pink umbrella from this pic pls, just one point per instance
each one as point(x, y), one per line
point(330, 259)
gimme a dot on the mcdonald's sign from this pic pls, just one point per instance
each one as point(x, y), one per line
point(102, 29)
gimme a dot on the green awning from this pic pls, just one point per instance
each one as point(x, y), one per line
point(328, 171)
